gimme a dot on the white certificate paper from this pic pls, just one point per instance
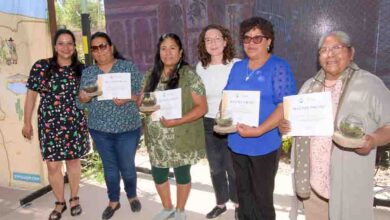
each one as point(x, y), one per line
point(170, 104)
point(114, 85)
point(244, 106)
point(309, 114)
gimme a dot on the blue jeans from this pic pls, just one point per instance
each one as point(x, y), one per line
point(117, 151)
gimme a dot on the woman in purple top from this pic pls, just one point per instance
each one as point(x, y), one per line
point(254, 149)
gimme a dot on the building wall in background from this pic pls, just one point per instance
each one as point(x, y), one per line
point(136, 25)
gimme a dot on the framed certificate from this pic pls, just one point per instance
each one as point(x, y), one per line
point(114, 85)
point(309, 114)
point(244, 106)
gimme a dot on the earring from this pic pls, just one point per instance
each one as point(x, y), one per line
point(268, 48)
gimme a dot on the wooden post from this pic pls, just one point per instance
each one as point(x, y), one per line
point(52, 18)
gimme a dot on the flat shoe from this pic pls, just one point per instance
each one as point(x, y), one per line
point(164, 214)
point(109, 212)
point(135, 205)
point(56, 215)
point(217, 211)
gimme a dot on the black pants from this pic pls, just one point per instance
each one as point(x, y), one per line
point(221, 167)
point(255, 178)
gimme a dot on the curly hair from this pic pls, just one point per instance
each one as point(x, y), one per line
point(228, 51)
point(260, 23)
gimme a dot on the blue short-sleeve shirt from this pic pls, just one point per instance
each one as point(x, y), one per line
point(274, 80)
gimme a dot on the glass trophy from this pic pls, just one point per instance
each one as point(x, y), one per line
point(350, 132)
point(149, 103)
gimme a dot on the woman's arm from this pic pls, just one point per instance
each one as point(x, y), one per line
point(29, 105)
point(379, 137)
point(270, 123)
point(199, 109)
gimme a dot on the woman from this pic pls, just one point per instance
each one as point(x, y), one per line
point(62, 128)
point(216, 55)
point(114, 124)
point(176, 143)
point(254, 149)
point(340, 179)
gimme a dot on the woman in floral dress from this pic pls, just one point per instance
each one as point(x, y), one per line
point(62, 130)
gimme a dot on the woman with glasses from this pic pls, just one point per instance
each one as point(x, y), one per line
point(174, 143)
point(254, 149)
point(114, 124)
point(62, 128)
point(337, 182)
point(216, 55)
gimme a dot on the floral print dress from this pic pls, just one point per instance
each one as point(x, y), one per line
point(62, 127)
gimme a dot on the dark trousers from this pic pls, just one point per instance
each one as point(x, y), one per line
point(117, 151)
point(255, 177)
point(221, 167)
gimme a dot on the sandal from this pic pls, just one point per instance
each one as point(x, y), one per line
point(56, 215)
point(75, 210)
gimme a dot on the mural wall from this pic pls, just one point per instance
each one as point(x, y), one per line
point(136, 25)
point(24, 38)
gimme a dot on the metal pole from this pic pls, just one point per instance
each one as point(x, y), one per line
point(86, 31)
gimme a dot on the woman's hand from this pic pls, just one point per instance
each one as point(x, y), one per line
point(247, 131)
point(83, 97)
point(27, 131)
point(120, 102)
point(368, 145)
point(284, 126)
point(169, 123)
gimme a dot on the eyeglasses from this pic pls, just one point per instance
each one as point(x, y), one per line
point(256, 39)
point(213, 40)
point(335, 49)
point(99, 47)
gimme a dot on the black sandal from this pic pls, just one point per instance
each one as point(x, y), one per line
point(56, 215)
point(75, 210)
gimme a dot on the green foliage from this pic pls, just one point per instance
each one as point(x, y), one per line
point(92, 167)
point(286, 145)
point(68, 13)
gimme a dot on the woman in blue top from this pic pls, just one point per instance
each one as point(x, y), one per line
point(114, 124)
point(254, 149)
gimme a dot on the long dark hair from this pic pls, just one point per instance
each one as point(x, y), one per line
point(158, 67)
point(76, 65)
point(116, 54)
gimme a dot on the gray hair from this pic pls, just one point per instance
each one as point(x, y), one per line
point(341, 35)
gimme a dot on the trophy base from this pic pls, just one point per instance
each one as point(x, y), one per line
point(224, 130)
point(149, 109)
point(346, 141)
point(93, 94)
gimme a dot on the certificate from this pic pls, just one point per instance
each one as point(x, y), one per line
point(309, 114)
point(114, 85)
point(244, 106)
point(170, 104)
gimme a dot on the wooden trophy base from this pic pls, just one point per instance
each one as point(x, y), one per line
point(347, 142)
point(224, 130)
point(93, 94)
point(149, 109)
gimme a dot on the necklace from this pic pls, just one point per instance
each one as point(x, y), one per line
point(249, 74)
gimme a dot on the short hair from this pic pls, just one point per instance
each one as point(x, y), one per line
point(341, 35)
point(262, 24)
point(228, 51)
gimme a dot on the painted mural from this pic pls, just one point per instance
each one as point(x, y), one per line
point(24, 38)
